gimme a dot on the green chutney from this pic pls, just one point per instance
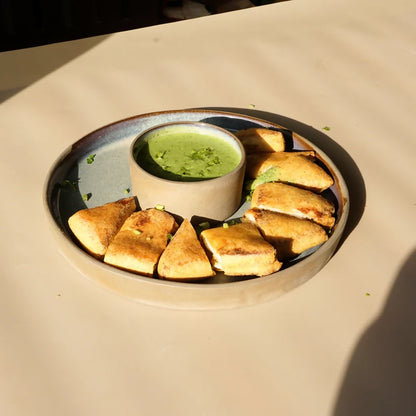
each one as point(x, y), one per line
point(182, 155)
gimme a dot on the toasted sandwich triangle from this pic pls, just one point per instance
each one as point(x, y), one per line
point(96, 227)
point(184, 258)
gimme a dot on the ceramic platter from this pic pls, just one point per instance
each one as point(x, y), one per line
point(71, 178)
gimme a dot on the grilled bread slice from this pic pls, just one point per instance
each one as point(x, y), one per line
point(289, 235)
point(296, 168)
point(140, 241)
point(96, 227)
point(291, 200)
point(184, 258)
point(240, 250)
point(255, 140)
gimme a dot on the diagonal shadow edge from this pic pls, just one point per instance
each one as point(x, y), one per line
point(35, 63)
point(380, 375)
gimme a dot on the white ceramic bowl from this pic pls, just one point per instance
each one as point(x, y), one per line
point(217, 198)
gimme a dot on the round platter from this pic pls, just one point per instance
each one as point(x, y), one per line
point(95, 170)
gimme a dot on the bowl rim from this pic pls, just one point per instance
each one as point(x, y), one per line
point(185, 183)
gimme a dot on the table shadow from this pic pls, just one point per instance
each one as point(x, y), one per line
point(345, 163)
point(21, 68)
point(381, 376)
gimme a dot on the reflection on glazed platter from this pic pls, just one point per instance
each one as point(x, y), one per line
point(95, 171)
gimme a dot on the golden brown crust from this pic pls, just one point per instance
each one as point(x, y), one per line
point(261, 140)
point(240, 250)
point(140, 241)
point(96, 227)
point(292, 167)
point(289, 235)
point(184, 258)
point(291, 200)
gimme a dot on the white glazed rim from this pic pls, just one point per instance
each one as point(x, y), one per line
point(231, 138)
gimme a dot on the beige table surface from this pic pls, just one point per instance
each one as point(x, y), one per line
point(343, 343)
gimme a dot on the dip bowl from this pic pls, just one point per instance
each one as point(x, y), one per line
point(207, 182)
